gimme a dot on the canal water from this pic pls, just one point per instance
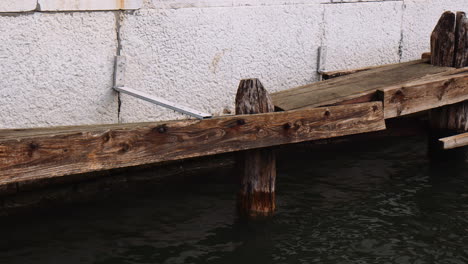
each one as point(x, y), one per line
point(373, 202)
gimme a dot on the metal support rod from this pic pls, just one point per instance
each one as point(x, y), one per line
point(119, 86)
point(162, 102)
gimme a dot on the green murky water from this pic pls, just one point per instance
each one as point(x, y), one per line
point(375, 203)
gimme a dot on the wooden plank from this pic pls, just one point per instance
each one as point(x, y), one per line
point(426, 57)
point(456, 141)
point(440, 90)
point(355, 86)
point(334, 74)
point(64, 151)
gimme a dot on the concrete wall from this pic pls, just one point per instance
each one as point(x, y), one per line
point(56, 68)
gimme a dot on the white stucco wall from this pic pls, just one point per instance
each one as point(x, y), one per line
point(56, 68)
point(420, 17)
point(196, 56)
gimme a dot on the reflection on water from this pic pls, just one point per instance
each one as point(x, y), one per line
point(355, 203)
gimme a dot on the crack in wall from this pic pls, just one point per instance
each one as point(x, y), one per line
point(402, 35)
point(118, 24)
point(323, 41)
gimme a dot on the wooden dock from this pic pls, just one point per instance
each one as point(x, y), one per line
point(351, 102)
point(27, 154)
point(404, 88)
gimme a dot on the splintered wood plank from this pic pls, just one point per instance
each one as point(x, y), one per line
point(25, 155)
point(361, 85)
point(334, 74)
point(456, 141)
point(425, 94)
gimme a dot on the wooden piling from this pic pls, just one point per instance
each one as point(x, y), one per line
point(449, 47)
point(256, 196)
point(443, 41)
point(461, 41)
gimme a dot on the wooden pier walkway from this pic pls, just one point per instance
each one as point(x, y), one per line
point(403, 88)
point(356, 102)
point(27, 154)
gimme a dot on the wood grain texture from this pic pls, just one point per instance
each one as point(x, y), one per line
point(359, 85)
point(334, 74)
point(256, 196)
point(450, 119)
point(253, 98)
point(28, 154)
point(426, 56)
point(456, 141)
point(425, 94)
point(461, 41)
point(443, 41)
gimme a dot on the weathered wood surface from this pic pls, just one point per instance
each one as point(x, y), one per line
point(451, 119)
point(445, 122)
point(456, 141)
point(443, 41)
point(334, 74)
point(439, 90)
point(359, 86)
point(44, 153)
point(426, 56)
point(461, 41)
point(448, 123)
point(256, 196)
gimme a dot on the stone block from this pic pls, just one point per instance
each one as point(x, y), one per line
point(17, 5)
point(84, 5)
point(57, 69)
point(362, 34)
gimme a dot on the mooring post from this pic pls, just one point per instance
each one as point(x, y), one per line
point(256, 196)
point(449, 48)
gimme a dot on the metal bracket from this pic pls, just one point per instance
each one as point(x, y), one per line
point(322, 59)
point(119, 86)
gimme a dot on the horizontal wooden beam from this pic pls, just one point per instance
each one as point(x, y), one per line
point(358, 86)
point(427, 93)
point(31, 154)
point(334, 74)
point(425, 58)
point(456, 141)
